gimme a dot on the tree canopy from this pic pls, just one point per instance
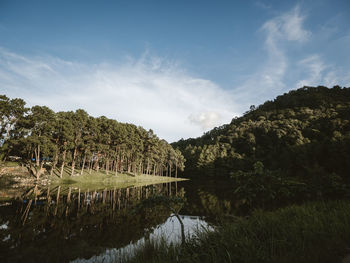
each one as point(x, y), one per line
point(76, 139)
point(303, 134)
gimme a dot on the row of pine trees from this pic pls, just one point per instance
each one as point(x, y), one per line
point(43, 138)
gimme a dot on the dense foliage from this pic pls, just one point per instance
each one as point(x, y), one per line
point(304, 135)
point(55, 140)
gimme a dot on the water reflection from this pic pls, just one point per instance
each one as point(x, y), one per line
point(62, 223)
point(169, 231)
point(214, 200)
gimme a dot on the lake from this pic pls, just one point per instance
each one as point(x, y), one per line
point(66, 224)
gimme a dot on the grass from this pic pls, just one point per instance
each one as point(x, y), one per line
point(100, 180)
point(94, 181)
point(8, 164)
point(313, 232)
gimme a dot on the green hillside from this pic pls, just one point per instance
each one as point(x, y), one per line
point(303, 135)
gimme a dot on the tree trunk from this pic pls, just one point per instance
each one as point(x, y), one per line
point(82, 167)
point(183, 239)
point(37, 155)
point(129, 166)
point(90, 166)
point(113, 165)
point(79, 199)
point(62, 166)
point(53, 167)
point(107, 166)
point(41, 170)
point(97, 165)
point(69, 195)
point(57, 199)
point(116, 166)
point(147, 169)
point(73, 161)
point(122, 163)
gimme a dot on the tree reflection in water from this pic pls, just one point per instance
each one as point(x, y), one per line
point(61, 224)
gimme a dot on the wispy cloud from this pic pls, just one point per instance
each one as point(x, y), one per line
point(288, 26)
point(313, 69)
point(150, 91)
point(262, 5)
point(268, 81)
point(313, 66)
point(318, 73)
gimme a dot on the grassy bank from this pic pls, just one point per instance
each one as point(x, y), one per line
point(313, 232)
point(13, 175)
point(101, 180)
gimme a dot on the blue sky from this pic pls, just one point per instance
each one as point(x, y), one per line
point(178, 67)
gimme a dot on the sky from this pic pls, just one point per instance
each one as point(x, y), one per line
point(178, 67)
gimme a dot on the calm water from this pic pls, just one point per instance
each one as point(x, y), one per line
point(64, 224)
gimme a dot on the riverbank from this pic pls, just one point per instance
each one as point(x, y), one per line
point(14, 177)
point(312, 232)
point(101, 180)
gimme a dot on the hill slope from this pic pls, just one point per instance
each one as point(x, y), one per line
point(302, 134)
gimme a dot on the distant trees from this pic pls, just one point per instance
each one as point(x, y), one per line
point(80, 141)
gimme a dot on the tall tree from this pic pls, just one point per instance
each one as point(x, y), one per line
point(79, 120)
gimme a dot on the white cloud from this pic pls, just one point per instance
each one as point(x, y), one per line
point(318, 73)
point(206, 120)
point(152, 92)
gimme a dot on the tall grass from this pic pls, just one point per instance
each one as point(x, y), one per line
point(313, 232)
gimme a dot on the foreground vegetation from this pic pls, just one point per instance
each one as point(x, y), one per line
point(313, 232)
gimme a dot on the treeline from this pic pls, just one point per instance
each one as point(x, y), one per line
point(304, 134)
point(77, 140)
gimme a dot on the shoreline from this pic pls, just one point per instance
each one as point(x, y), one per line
point(17, 178)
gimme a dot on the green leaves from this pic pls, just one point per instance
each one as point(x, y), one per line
point(76, 138)
point(262, 187)
point(305, 128)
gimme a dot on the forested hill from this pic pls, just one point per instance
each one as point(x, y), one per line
point(304, 133)
point(77, 140)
